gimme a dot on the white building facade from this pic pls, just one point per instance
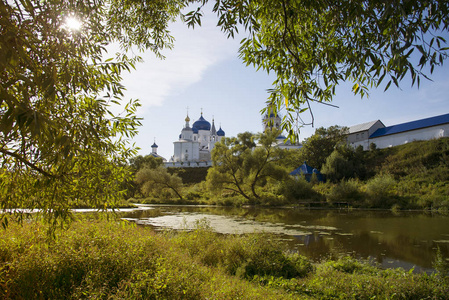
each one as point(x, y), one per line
point(384, 137)
point(420, 130)
point(358, 135)
point(193, 149)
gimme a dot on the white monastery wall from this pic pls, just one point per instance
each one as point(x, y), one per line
point(396, 139)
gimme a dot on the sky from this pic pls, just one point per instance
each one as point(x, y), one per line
point(203, 73)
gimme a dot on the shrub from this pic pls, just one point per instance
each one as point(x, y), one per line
point(337, 167)
point(380, 191)
point(346, 191)
point(351, 265)
point(297, 188)
point(245, 256)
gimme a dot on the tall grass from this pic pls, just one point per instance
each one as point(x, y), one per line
point(108, 260)
point(98, 259)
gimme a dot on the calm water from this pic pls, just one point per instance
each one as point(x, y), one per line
point(406, 239)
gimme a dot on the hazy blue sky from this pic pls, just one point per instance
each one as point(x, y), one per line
point(204, 72)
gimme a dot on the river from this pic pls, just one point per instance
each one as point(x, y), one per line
point(405, 239)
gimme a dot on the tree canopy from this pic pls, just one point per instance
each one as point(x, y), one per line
point(321, 144)
point(156, 180)
point(313, 46)
point(239, 166)
point(60, 140)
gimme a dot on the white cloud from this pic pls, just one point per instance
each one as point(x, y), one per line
point(194, 52)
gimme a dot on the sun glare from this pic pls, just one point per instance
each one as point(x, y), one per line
point(72, 23)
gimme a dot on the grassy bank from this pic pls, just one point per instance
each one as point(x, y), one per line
point(114, 260)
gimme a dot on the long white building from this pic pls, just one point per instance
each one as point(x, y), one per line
point(383, 137)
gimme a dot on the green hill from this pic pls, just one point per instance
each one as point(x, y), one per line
point(409, 176)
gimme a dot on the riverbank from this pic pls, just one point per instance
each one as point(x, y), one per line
point(414, 176)
point(115, 260)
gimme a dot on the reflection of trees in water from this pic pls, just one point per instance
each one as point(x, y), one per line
point(368, 245)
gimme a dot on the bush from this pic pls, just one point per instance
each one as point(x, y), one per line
point(297, 188)
point(380, 191)
point(346, 191)
point(337, 167)
point(245, 256)
point(351, 265)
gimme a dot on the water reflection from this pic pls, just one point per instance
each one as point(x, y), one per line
point(394, 240)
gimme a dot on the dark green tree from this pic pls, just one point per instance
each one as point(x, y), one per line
point(337, 167)
point(343, 163)
point(321, 144)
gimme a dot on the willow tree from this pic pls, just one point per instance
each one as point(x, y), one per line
point(314, 45)
point(61, 143)
point(156, 181)
point(242, 167)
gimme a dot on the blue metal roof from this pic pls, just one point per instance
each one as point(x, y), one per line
point(414, 125)
point(304, 169)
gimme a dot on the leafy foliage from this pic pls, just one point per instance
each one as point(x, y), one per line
point(240, 168)
point(60, 141)
point(149, 161)
point(245, 256)
point(349, 191)
point(157, 180)
point(297, 188)
point(321, 144)
point(312, 46)
point(344, 162)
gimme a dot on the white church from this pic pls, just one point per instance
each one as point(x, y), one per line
point(193, 149)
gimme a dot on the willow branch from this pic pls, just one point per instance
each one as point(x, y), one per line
point(26, 162)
